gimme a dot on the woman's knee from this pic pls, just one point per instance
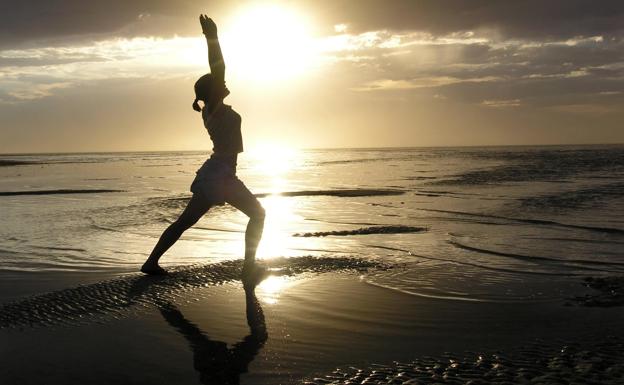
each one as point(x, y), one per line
point(258, 214)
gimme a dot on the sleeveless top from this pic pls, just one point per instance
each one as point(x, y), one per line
point(224, 128)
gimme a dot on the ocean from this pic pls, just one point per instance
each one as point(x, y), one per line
point(484, 224)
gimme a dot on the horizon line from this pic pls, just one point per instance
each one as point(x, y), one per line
point(319, 148)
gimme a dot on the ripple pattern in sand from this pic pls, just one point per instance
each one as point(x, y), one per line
point(114, 298)
point(597, 363)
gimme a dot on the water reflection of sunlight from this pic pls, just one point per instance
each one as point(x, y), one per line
point(270, 289)
point(278, 226)
point(272, 159)
point(272, 162)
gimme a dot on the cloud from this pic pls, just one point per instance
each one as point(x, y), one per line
point(501, 103)
point(482, 69)
point(28, 92)
point(530, 19)
point(484, 53)
point(54, 22)
point(35, 73)
point(584, 109)
point(424, 82)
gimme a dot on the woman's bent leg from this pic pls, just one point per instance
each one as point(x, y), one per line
point(194, 210)
point(241, 198)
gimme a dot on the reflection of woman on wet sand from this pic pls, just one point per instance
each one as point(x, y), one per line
point(213, 360)
point(216, 181)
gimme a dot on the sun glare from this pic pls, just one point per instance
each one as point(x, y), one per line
point(270, 289)
point(273, 159)
point(267, 42)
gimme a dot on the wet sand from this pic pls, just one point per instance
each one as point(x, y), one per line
point(397, 229)
point(57, 192)
point(316, 321)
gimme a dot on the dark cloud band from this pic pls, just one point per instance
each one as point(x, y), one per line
point(29, 21)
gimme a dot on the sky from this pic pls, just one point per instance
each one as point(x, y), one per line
point(81, 76)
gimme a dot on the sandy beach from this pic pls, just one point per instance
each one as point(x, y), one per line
point(316, 323)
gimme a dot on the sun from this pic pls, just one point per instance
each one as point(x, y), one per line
point(266, 43)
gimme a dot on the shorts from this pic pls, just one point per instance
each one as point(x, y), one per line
point(214, 181)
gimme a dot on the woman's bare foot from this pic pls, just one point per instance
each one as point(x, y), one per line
point(253, 274)
point(152, 268)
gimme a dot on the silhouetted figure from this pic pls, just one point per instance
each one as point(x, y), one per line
point(216, 181)
point(215, 362)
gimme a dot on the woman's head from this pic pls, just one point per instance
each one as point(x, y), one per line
point(206, 92)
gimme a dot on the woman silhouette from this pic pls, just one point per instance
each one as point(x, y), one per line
point(216, 181)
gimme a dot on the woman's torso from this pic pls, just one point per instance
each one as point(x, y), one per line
point(224, 128)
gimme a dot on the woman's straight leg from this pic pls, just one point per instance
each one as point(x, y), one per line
point(195, 209)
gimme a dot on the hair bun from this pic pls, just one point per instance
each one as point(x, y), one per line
point(196, 106)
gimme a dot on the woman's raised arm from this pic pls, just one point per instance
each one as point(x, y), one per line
point(215, 57)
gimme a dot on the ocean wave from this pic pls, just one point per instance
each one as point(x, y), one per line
point(126, 218)
point(112, 298)
point(563, 262)
point(169, 207)
point(217, 229)
point(541, 164)
point(583, 197)
point(609, 230)
point(377, 159)
point(579, 240)
point(180, 201)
